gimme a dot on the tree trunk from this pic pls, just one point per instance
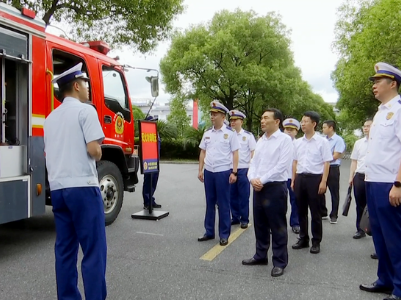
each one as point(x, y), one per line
point(48, 15)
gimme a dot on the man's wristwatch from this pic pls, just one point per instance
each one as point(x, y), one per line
point(397, 184)
point(234, 173)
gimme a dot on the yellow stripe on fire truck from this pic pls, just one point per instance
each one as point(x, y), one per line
point(38, 121)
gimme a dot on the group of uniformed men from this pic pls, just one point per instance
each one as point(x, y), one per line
point(230, 163)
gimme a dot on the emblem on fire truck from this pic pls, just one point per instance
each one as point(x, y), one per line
point(119, 127)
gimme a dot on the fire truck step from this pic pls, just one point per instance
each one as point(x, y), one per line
point(131, 188)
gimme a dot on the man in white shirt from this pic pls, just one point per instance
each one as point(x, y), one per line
point(383, 181)
point(291, 127)
point(219, 155)
point(72, 136)
point(241, 189)
point(312, 158)
point(337, 146)
point(357, 175)
point(268, 174)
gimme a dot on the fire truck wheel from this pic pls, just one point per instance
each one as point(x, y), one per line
point(111, 189)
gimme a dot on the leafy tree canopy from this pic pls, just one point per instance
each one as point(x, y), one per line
point(244, 61)
point(367, 32)
point(139, 24)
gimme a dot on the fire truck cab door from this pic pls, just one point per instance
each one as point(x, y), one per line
point(117, 119)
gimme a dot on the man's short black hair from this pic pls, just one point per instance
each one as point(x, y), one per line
point(277, 115)
point(369, 119)
point(314, 116)
point(398, 83)
point(331, 123)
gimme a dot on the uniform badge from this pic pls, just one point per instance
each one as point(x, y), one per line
point(225, 136)
point(389, 115)
point(244, 138)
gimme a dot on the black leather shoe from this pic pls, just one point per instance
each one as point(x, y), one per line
point(300, 244)
point(359, 234)
point(234, 222)
point(223, 242)
point(392, 297)
point(315, 249)
point(295, 229)
point(155, 205)
point(254, 262)
point(374, 288)
point(244, 225)
point(276, 272)
point(205, 238)
point(374, 256)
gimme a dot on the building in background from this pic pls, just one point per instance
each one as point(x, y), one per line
point(162, 110)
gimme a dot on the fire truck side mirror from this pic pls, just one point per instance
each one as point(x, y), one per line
point(154, 85)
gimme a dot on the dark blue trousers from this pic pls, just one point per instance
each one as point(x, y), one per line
point(294, 208)
point(385, 223)
point(217, 190)
point(270, 213)
point(360, 197)
point(146, 187)
point(239, 197)
point(79, 218)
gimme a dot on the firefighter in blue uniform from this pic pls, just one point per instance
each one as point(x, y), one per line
point(241, 189)
point(383, 181)
point(72, 137)
point(147, 178)
point(219, 149)
point(291, 127)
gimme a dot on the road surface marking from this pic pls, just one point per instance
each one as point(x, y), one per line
point(149, 233)
point(216, 250)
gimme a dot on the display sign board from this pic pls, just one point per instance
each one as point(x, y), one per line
point(149, 148)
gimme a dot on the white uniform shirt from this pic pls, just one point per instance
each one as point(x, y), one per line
point(219, 146)
point(312, 154)
point(67, 130)
point(383, 156)
point(359, 154)
point(272, 157)
point(247, 145)
point(292, 161)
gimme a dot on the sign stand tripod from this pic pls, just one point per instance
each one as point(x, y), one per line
point(149, 158)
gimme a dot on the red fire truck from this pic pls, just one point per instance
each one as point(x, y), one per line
point(29, 59)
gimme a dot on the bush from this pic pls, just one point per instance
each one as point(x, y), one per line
point(349, 138)
point(177, 149)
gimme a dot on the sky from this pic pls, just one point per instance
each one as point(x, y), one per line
point(312, 33)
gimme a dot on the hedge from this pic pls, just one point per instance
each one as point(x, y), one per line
point(177, 149)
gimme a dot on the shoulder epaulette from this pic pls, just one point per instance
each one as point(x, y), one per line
point(210, 128)
point(399, 101)
point(247, 132)
point(230, 128)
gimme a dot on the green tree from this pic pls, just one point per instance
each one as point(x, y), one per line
point(138, 113)
point(140, 24)
point(239, 58)
point(178, 115)
point(367, 32)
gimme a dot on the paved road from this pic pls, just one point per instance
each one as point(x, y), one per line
point(161, 260)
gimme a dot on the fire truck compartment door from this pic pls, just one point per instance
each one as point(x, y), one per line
point(12, 161)
point(14, 199)
point(13, 44)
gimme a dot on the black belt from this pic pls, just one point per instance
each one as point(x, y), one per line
point(309, 175)
point(334, 166)
point(274, 183)
point(360, 175)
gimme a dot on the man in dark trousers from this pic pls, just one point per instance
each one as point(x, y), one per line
point(72, 136)
point(241, 189)
point(147, 192)
point(312, 157)
point(219, 156)
point(383, 181)
point(337, 146)
point(268, 174)
point(291, 127)
point(357, 176)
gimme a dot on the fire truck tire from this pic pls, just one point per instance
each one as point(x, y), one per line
point(111, 188)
